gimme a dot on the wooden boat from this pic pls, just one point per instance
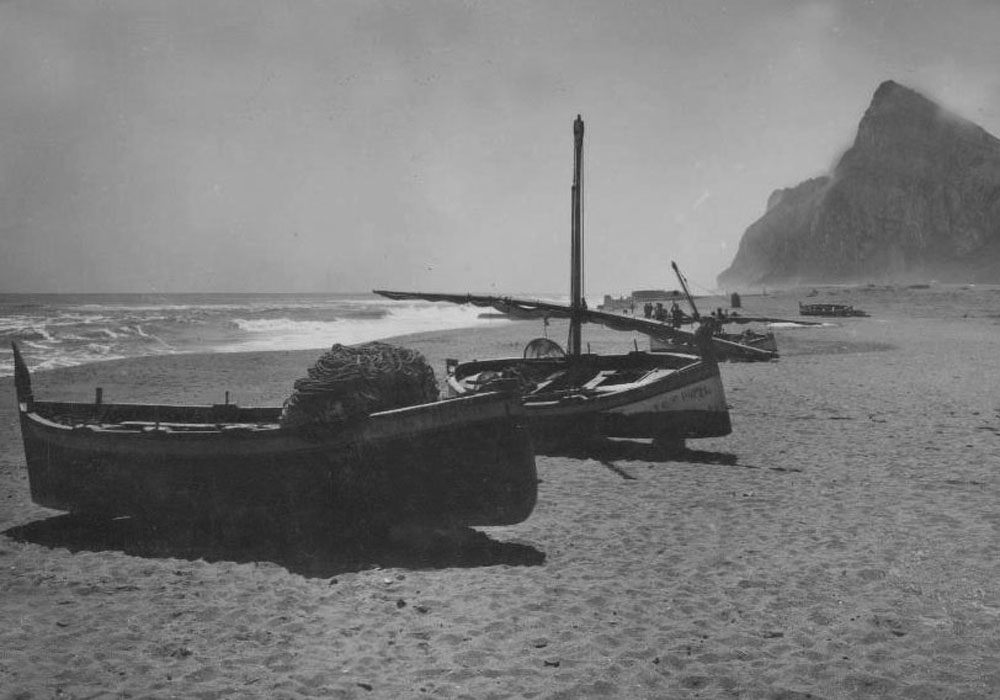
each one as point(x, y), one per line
point(571, 396)
point(746, 346)
point(466, 461)
point(829, 310)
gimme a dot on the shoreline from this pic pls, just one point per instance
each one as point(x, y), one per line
point(258, 375)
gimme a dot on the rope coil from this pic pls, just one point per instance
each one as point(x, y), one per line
point(348, 383)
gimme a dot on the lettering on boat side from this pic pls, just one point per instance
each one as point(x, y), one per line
point(696, 392)
point(703, 396)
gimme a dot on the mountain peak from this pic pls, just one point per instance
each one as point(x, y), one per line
point(901, 121)
point(897, 101)
point(890, 95)
point(917, 195)
point(891, 90)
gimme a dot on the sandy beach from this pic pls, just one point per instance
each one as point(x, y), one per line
point(842, 543)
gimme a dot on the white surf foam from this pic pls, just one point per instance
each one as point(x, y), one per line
point(289, 334)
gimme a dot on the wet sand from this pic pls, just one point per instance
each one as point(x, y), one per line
point(841, 543)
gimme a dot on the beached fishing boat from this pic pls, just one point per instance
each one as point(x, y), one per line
point(750, 338)
point(829, 310)
point(465, 461)
point(746, 346)
point(571, 396)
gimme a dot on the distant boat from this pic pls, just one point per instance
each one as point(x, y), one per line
point(829, 310)
point(464, 461)
point(572, 397)
point(746, 346)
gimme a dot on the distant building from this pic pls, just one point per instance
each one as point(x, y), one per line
point(641, 296)
point(638, 298)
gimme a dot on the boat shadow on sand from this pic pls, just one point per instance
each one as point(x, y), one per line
point(610, 451)
point(300, 552)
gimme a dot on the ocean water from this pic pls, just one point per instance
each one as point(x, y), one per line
point(60, 330)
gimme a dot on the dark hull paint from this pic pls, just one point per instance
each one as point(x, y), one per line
point(465, 462)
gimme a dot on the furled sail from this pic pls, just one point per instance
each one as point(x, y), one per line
point(533, 309)
point(516, 308)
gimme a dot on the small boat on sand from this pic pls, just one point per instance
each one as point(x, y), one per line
point(462, 461)
point(746, 346)
point(841, 310)
point(572, 397)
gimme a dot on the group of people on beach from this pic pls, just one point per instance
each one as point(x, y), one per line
point(677, 317)
point(660, 313)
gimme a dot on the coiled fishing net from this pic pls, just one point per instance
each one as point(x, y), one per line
point(350, 382)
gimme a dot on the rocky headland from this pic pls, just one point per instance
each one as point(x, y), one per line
point(915, 198)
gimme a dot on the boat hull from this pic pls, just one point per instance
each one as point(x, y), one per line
point(830, 310)
point(740, 347)
point(689, 402)
point(460, 462)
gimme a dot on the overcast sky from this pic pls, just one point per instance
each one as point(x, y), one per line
point(280, 145)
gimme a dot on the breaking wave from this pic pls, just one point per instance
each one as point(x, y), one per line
point(66, 330)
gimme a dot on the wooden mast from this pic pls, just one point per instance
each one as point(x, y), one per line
point(576, 241)
point(687, 293)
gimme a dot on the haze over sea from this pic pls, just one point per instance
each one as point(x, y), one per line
point(60, 330)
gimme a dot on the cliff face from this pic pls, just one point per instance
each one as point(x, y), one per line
point(916, 197)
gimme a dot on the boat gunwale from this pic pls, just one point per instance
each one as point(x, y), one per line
point(577, 399)
point(444, 415)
